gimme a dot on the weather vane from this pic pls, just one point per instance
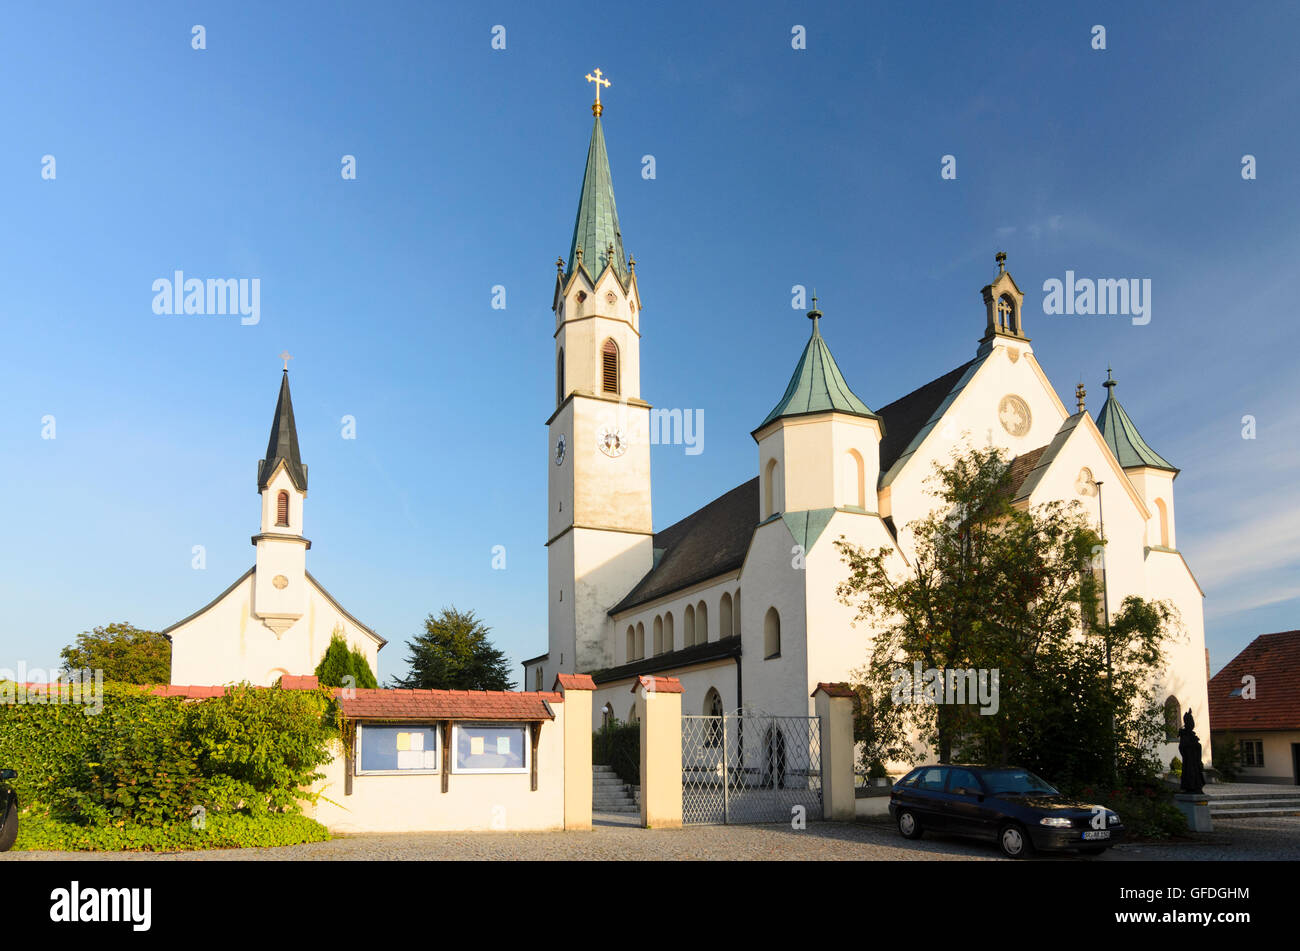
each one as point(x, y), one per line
point(596, 107)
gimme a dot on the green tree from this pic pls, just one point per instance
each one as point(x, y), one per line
point(123, 652)
point(995, 587)
point(341, 662)
point(454, 653)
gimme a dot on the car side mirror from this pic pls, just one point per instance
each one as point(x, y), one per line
point(8, 774)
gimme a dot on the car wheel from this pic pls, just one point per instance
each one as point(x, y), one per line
point(1014, 841)
point(9, 831)
point(909, 827)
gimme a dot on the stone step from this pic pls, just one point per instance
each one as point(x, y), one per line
point(1258, 813)
point(1257, 797)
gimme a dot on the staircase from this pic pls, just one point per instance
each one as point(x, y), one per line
point(1242, 804)
point(611, 794)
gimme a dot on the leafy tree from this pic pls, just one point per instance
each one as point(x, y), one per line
point(123, 652)
point(454, 653)
point(341, 662)
point(995, 587)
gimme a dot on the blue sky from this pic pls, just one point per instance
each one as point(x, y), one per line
point(774, 167)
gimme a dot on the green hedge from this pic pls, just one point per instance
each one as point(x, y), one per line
point(146, 761)
point(222, 831)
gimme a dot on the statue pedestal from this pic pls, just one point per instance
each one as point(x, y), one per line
point(1196, 808)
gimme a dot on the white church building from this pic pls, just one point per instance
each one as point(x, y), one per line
point(276, 618)
point(738, 599)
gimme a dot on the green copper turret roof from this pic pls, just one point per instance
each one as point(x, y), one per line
point(596, 227)
point(817, 385)
point(1123, 437)
point(283, 444)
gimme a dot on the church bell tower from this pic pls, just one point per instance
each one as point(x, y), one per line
point(599, 535)
point(280, 576)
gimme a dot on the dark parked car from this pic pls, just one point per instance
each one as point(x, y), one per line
point(9, 810)
point(1006, 804)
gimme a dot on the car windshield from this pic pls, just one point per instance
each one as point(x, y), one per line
point(1017, 782)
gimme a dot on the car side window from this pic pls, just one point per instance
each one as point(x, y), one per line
point(932, 778)
point(963, 778)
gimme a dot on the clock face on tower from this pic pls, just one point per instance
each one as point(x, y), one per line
point(560, 446)
point(610, 441)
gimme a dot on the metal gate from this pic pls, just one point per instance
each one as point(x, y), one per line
point(750, 767)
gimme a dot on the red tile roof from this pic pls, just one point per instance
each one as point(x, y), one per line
point(657, 684)
point(834, 690)
point(191, 692)
point(292, 682)
point(386, 704)
point(1274, 661)
point(575, 681)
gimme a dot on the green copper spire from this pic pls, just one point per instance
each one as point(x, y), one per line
point(596, 232)
point(1122, 436)
point(817, 385)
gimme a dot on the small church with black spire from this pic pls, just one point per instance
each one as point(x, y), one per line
point(276, 618)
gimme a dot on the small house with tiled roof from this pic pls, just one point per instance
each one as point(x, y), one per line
point(738, 599)
point(1255, 702)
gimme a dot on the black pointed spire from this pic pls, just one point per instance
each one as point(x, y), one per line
point(283, 444)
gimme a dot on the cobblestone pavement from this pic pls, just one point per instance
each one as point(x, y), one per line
point(1277, 838)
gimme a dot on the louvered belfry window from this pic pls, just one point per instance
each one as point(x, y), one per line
point(609, 367)
point(282, 509)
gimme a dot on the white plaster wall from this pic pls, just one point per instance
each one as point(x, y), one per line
point(695, 680)
point(769, 579)
point(227, 644)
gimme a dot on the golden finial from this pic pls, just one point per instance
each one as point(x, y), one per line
point(286, 358)
point(596, 107)
point(1079, 394)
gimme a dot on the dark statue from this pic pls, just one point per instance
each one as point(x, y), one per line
point(1189, 748)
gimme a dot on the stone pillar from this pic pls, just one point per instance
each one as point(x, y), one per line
point(659, 708)
point(834, 704)
point(577, 690)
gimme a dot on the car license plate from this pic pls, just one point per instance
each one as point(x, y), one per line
point(1099, 834)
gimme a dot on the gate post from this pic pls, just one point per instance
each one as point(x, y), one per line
point(577, 690)
point(834, 704)
point(659, 708)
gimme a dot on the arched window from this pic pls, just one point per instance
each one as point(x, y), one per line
point(668, 632)
point(631, 643)
point(1173, 719)
point(771, 489)
point(658, 635)
point(609, 366)
point(713, 708)
point(771, 634)
point(1007, 321)
point(640, 640)
point(1163, 512)
point(282, 509)
point(631, 714)
point(724, 616)
point(701, 623)
point(688, 627)
point(854, 480)
point(559, 378)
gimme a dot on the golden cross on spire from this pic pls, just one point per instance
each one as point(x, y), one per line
point(596, 107)
point(286, 358)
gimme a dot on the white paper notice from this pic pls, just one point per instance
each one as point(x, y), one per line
point(410, 759)
point(476, 746)
point(503, 745)
point(430, 759)
point(417, 741)
point(403, 741)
